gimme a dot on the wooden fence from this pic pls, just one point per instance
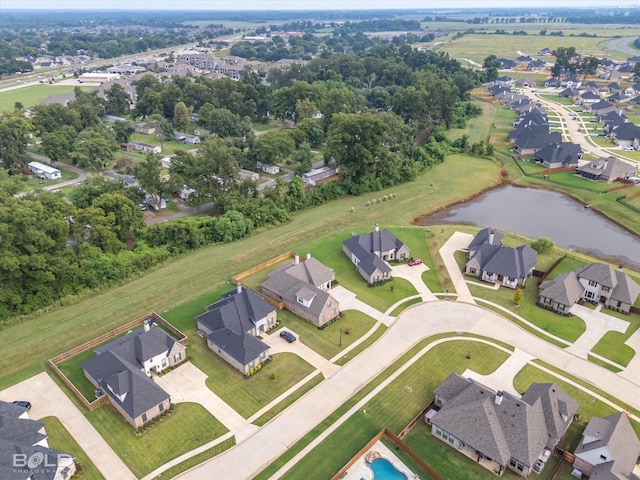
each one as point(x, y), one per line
point(138, 322)
point(398, 441)
point(621, 187)
point(415, 420)
point(555, 170)
point(247, 273)
point(633, 194)
point(550, 269)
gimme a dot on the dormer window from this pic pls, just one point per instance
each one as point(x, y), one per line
point(593, 283)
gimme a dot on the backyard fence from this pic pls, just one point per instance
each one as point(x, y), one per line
point(247, 273)
point(138, 322)
point(555, 170)
point(550, 269)
point(415, 420)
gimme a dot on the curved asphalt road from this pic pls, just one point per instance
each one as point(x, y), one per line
point(623, 45)
point(248, 458)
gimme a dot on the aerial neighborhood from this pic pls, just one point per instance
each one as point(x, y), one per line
point(344, 244)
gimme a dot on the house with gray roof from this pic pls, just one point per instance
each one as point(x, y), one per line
point(20, 439)
point(608, 449)
point(595, 282)
point(122, 370)
point(486, 236)
point(626, 134)
point(529, 145)
point(370, 253)
point(588, 97)
point(559, 155)
point(607, 169)
point(231, 327)
point(305, 289)
point(506, 266)
point(500, 430)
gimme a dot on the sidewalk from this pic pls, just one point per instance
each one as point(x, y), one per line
point(457, 241)
point(348, 301)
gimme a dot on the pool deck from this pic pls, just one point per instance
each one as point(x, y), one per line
point(361, 471)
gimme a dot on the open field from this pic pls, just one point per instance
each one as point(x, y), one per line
point(31, 95)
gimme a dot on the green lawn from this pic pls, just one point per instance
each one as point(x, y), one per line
point(567, 328)
point(182, 430)
point(403, 306)
point(569, 179)
point(34, 183)
point(31, 95)
point(73, 371)
point(362, 346)
point(60, 439)
point(198, 459)
point(329, 341)
point(395, 405)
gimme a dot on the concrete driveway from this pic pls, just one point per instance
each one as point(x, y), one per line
point(598, 323)
point(279, 345)
point(457, 241)
point(414, 275)
point(48, 400)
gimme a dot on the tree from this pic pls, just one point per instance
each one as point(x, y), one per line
point(180, 117)
point(543, 245)
point(123, 131)
point(491, 65)
point(91, 150)
point(272, 146)
point(128, 216)
point(148, 172)
point(14, 131)
point(223, 122)
point(118, 100)
point(517, 297)
point(58, 145)
point(303, 157)
point(83, 195)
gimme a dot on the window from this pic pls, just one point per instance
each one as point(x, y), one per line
point(592, 283)
point(605, 289)
point(547, 301)
point(177, 357)
point(164, 363)
point(329, 303)
point(144, 418)
point(300, 300)
point(161, 407)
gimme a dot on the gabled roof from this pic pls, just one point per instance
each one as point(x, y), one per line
point(627, 131)
point(52, 458)
point(311, 271)
point(498, 424)
point(242, 347)
point(125, 383)
point(537, 140)
point(21, 431)
point(139, 345)
point(238, 312)
point(8, 409)
point(589, 95)
point(607, 167)
point(558, 407)
point(626, 290)
point(368, 247)
point(506, 261)
point(566, 153)
point(617, 442)
point(486, 236)
point(527, 129)
point(601, 105)
point(564, 289)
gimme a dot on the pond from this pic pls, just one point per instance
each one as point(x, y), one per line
point(541, 213)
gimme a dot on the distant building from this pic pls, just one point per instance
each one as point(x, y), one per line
point(43, 171)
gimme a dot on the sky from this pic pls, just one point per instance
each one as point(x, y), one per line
point(296, 4)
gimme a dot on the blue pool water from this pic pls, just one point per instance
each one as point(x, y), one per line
point(383, 469)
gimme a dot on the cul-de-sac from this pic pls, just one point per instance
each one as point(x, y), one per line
point(338, 241)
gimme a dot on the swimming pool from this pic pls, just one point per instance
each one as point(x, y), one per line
point(383, 469)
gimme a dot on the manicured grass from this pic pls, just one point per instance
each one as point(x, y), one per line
point(291, 399)
point(31, 95)
point(461, 259)
point(569, 179)
point(363, 346)
point(198, 459)
point(34, 183)
point(409, 462)
point(61, 440)
point(395, 405)
point(396, 311)
point(180, 431)
point(168, 146)
point(604, 364)
point(556, 99)
point(612, 346)
point(73, 371)
point(329, 341)
point(568, 329)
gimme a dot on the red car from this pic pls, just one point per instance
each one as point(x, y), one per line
point(415, 261)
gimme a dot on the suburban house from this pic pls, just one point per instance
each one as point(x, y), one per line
point(370, 253)
point(486, 236)
point(607, 169)
point(625, 134)
point(588, 98)
point(305, 289)
point(608, 449)
point(552, 82)
point(122, 370)
point(232, 324)
point(529, 144)
point(500, 430)
point(144, 147)
point(559, 155)
point(43, 171)
point(23, 440)
point(497, 264)
point(595, 282)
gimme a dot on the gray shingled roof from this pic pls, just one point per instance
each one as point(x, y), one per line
point(483, 237)
point(558, 407)
point(311, 271)
point(598, 272)
point(238, 312)
point(367, 248)
point(512, 428)
point(8, 471)
point(564, 289)
point(608, 167)
point(21, 431)
point(8, 409)
point(537, 140)
point(506, 261)
point(566, 153)
point(140, 346)
point(116, 376)
point(243, 347)
point(616, 434)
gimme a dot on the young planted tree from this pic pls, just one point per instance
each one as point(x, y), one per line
point(180, 117)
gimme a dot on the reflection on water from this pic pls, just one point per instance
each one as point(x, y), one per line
point(541, 213)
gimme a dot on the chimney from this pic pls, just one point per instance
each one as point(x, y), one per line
point(296, 258)
point(377, 227)
point(238, 287)
point(308, 255)
point(147, 327)
point(498, 399)
point(620, 267)
point(491, 237)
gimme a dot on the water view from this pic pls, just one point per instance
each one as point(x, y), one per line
point(541, 213)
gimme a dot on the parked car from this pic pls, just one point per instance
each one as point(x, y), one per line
point(23, 403)
point(415, 261)
point(288, 336)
